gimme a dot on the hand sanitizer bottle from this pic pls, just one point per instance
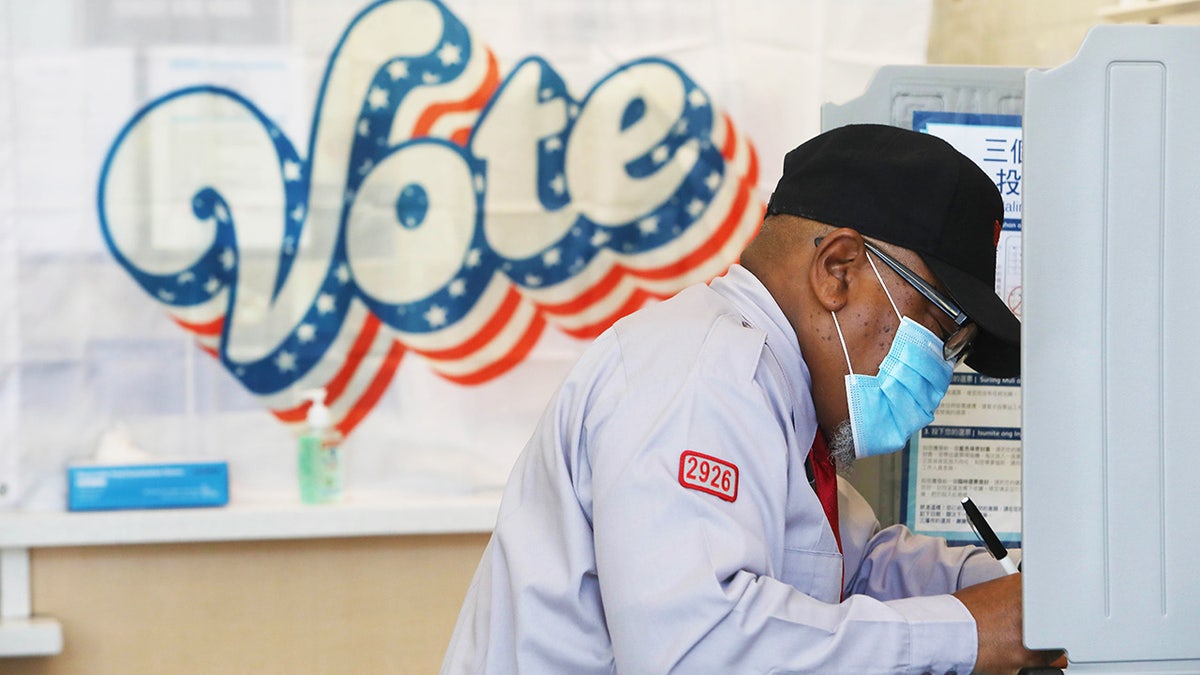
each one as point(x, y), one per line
point(320, 461)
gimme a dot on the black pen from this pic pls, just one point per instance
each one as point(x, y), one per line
point(988, 536)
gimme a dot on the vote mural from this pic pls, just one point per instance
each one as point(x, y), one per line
point(440, 210)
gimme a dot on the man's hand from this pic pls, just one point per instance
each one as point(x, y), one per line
point(996, 606)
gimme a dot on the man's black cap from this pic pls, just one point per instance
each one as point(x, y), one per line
point(915, 191)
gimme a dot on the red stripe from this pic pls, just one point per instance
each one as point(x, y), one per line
point(475, 102)
point(730, 148)
point(589, 297)
point(708, 249)
point(211, 328)
point(291, 415)
point(636, 300)
point(336, 385)
point(379, 384)
point(752, 165)
point(491, 329)
point(507, 362)
point(358, 351)
point(461, 136)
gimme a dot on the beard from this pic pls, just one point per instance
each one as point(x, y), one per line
point(841, 447)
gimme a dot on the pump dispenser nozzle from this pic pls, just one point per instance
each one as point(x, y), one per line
point(318, 415)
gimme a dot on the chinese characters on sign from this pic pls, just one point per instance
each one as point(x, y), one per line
point(973, 446)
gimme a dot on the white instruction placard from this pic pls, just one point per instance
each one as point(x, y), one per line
point(973, 446)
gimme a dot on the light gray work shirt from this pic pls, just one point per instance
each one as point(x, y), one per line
point(660, 520)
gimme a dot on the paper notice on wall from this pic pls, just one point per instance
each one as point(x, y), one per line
point(973, 446)
point(972, 449)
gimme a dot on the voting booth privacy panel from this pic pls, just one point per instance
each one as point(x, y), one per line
point(1112, 438)
point(424, 208)
point(1101, 220)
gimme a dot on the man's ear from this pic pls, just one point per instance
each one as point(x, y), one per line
point(832, 269)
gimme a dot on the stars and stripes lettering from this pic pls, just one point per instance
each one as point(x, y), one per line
point(440, 210)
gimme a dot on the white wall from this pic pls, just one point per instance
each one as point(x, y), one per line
point(85, 351)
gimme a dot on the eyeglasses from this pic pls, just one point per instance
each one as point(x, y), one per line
point(958, 344)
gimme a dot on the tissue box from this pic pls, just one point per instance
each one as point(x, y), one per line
point(147, 486)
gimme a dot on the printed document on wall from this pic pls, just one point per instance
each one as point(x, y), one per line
point(973, 446)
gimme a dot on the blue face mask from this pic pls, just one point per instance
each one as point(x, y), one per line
point(886, 409)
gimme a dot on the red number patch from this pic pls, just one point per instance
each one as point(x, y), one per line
point(708, 474)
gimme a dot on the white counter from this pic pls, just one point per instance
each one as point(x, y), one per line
point(22, 634)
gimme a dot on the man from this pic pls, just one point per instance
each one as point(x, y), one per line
point(672, 511)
